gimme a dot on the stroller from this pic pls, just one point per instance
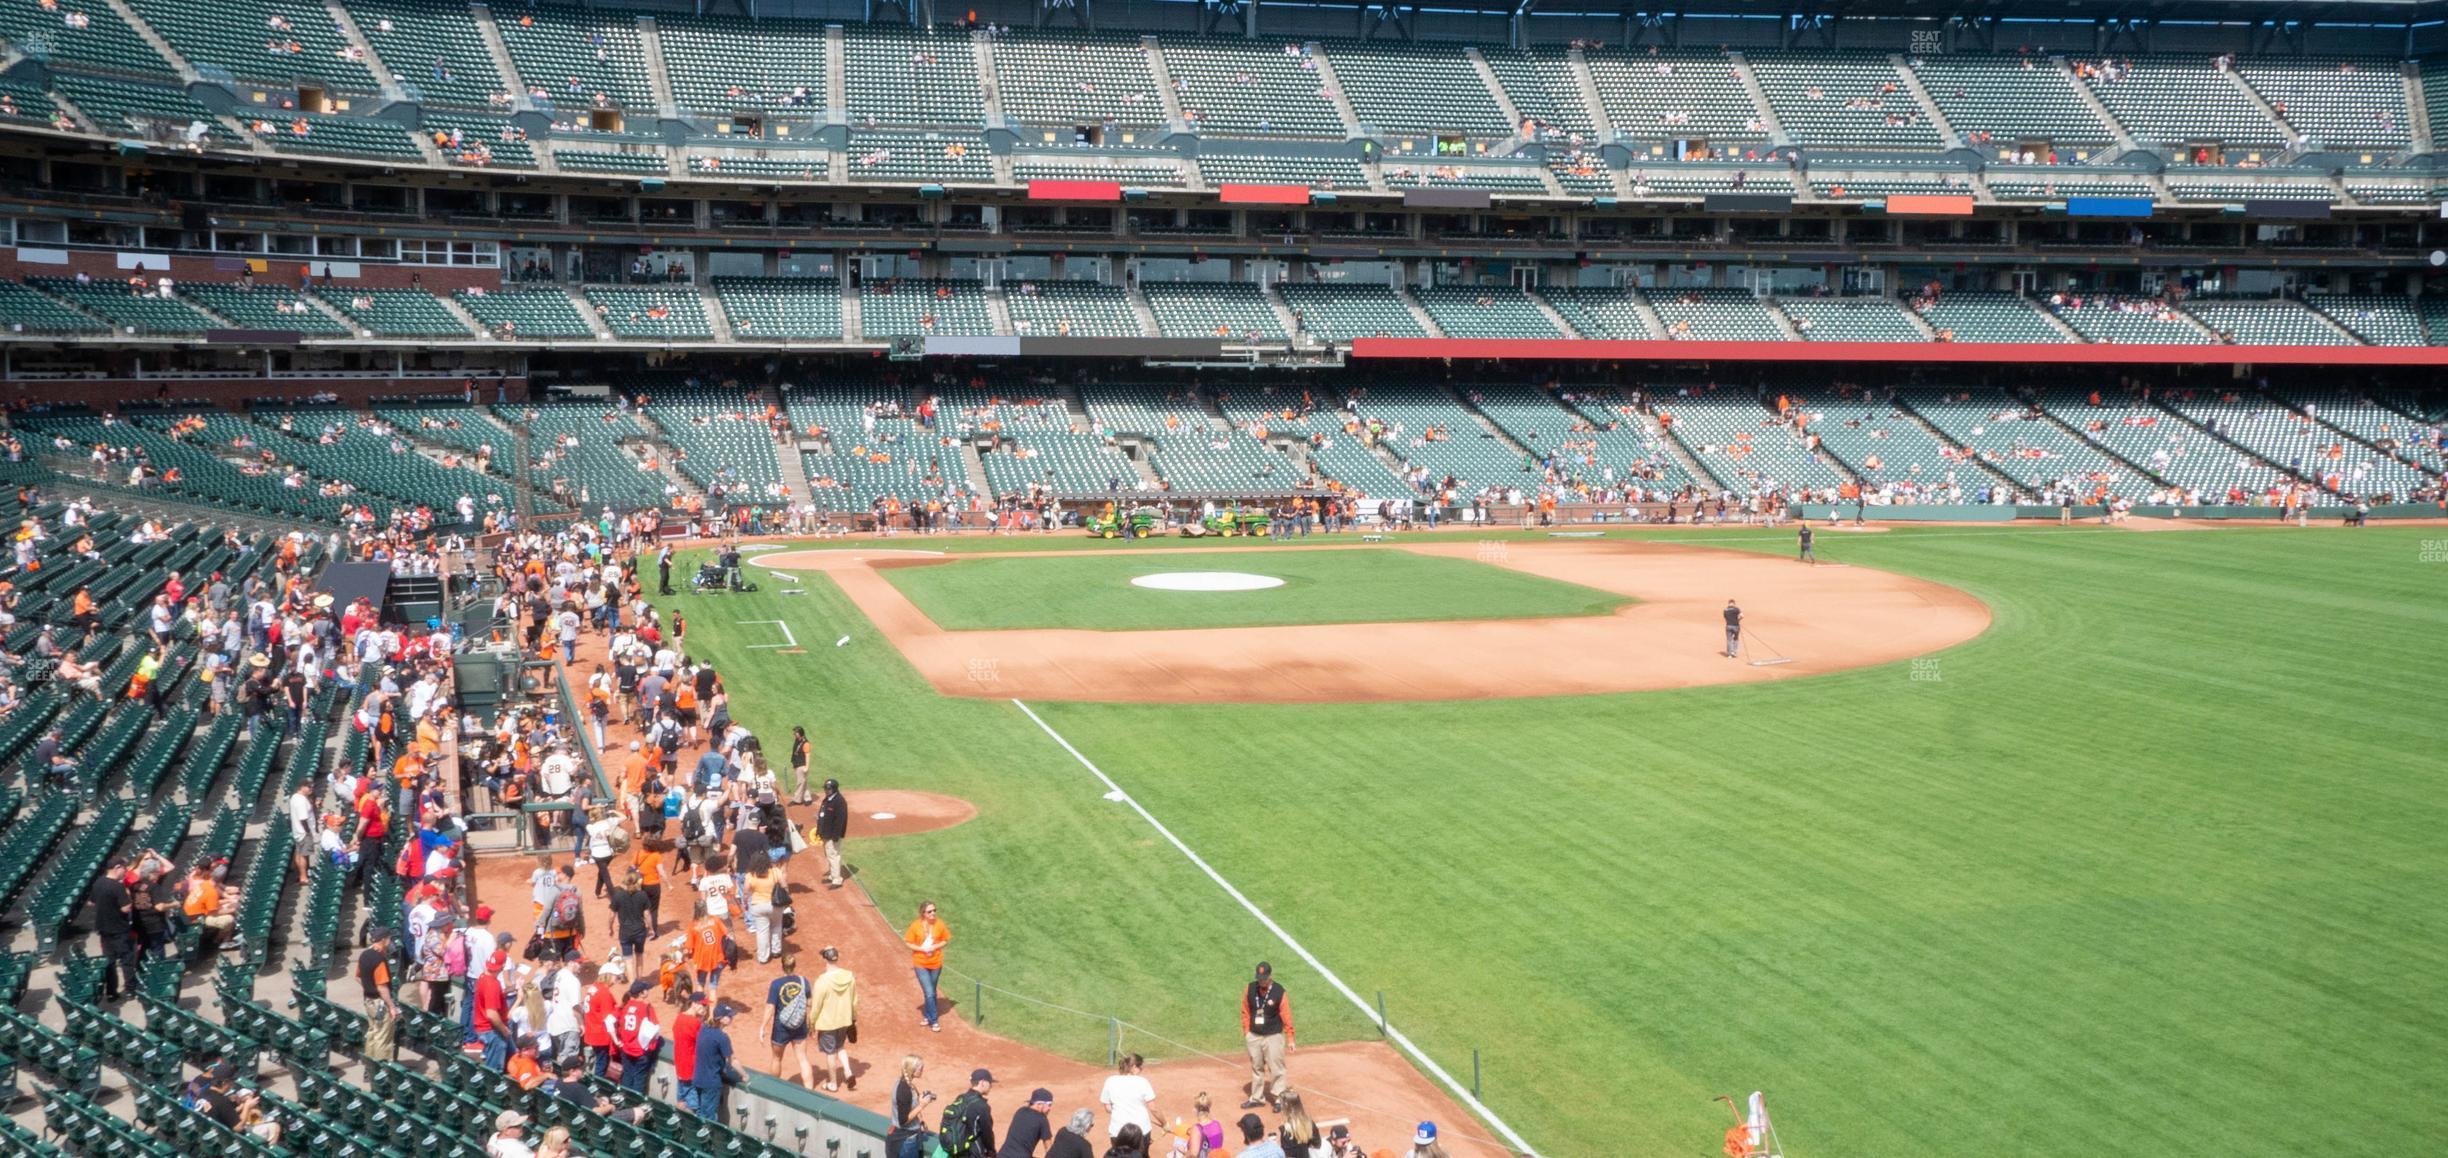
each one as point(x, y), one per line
point(714, 578)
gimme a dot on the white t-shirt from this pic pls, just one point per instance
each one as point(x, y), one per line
point(501, 1147)
point(1126, 1098)
point(717, 890)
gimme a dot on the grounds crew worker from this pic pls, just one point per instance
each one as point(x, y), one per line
point(1733, 618)
point(1266, 1026)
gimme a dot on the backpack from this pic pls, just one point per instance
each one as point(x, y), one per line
point(693, 825)
point(564, 914)
point(794, 1012)
point(957, 1137)
point(618, 838)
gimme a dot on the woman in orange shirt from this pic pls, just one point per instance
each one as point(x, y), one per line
point(651, 856)
point(927, 937)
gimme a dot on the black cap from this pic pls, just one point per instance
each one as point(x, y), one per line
point(980, 1075)
point(1265, 970)
point(1041, 1094)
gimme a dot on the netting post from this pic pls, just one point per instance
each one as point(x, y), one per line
point(978, 989)
point(1474, 1073)
point(1381, 1013)
point(1113, 1040)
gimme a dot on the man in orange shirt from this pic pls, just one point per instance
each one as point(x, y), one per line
point(204, 905)
point(927, 937)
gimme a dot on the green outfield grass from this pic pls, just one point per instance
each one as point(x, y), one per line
point(1361, 586)
point(2156, 863)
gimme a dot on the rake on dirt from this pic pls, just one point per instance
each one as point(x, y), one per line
point(1776, 657)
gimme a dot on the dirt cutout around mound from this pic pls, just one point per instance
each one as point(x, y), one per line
point(1822, 619)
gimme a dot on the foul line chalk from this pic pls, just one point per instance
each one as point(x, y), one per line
point(1392, 1034)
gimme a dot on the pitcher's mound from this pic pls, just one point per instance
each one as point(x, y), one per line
point(906, 812)
point(1207, 581)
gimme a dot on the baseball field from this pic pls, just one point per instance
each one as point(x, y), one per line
point(2047, 842)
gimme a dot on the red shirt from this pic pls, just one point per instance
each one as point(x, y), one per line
point(684, 1046)
point(492, 1009)
point(599, 1006)
point(635, 1016)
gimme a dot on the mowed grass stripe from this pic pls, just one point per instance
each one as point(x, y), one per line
point(1362, 586)
point(2153, 861)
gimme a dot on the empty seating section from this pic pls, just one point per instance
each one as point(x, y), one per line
point(2163, 444)
point(104, 41)
point(23, 102)
point(2267, 323)
point(772, 308)
point(1428, 429)
point(805, 165)
point(277, 41)
point(483, 139)
point(2109, 320)
point(2176, 100)
point(884, 155)
point(466, 429)
point(632, 312)
point(1485, 311)
point(1594, 439)
point(2020, 442)
point(1403, 174)
point(23, 310)
point(1602, 312)
point(1715, 315)
point(642, 164)
point(1191, 451)
point(347, 136)
point(1990, 317)
point(1541, 84)
point(576, 453)
point(1239, 89)
point(2025, 187)
point(1146, 175)
point(204, 476)
point(915, 307)
point(2390, 192)
point(397, 313)
point(1256, 169)
point(722, 65)
point(264, 307)
point(2212, 189)
point(2341, 103)
point(1661, 95)
point(1744, 445)
point(1416, 88)
point(897, 459)
point(1580, 171)
point(2301, 445)
point(1076, 79)
point(1342, 311)
point(907, 78)
point(1883, 444)
point(117, 106)
point(2381, 321)
point(1843, 99)
point(2011, 100)
point(1854, 319)
point(434, 48)
point(2381, 426)
point(1212, 309)
point(1702, 182)
point(1070, 309)
point(517, 314)
point(125, 311)
point(1864, 188)
point(341, 445)
point(577, 59)
point(721, 438)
